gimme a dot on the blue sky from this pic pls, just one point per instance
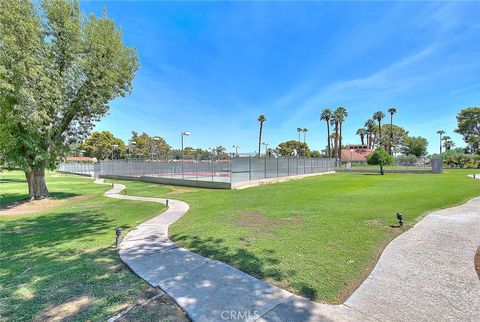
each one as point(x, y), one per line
point(212, 68)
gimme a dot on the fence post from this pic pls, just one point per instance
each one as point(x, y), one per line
point(250, 167)
point(297, 166)
point(265, 167)
point(277, 167)
point(212, 167)
point(288, 166)
point(196, 169)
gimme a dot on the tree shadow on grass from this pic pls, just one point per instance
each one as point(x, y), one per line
point(9, 180)
point(246, 261)
point(9, 200)
point(52, 267)
point(264, 266)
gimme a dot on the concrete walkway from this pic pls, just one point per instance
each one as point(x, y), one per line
point(425, 274)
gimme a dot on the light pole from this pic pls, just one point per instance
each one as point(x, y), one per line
point(154, 147)
point(441, 132)
point(266, 147)
point(113, 148)
point(130, 143)
point(185, 133)
point(351, 159)
point(236, 149)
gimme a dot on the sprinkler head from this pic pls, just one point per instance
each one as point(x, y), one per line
point(400, 218)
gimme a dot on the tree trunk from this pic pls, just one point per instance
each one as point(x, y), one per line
point(379, 134)
point(335, 144)
point(340, 143)
point(328, 140)
point(37, 188)
point(391, 135)
point(260, 140)
point(440, 144)
point(362, 139)
point(381, 170)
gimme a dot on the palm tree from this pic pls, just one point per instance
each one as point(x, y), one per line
point(391, 110)
point(299, 130)
point(369, 126)
point(378, 116)
point(261, 119)
point(331, 139)
point(441, 132)
point(305, 130)
point(448, 143)
point(337, 118)
point(326, 116)
point(343, 113)
point(361, 132)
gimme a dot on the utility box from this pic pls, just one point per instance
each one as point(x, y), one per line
point(437, 165)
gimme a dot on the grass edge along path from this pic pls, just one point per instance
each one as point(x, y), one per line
point(301, 235)
point(60, 263)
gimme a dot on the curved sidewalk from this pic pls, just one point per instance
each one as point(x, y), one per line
point(425, 274)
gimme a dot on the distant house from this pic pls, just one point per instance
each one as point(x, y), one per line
point(355, 153)
point(80, 159)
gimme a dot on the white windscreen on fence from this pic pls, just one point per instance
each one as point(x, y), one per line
point(231, 170)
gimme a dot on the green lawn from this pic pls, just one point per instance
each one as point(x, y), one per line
point(61, 263)
point(318, 236)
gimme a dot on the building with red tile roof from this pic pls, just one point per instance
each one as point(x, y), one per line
point(355, 153)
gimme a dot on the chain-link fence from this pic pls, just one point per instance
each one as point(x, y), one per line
point(80, 168)
point(254, 168)
point(236, 169)
point(400, 164)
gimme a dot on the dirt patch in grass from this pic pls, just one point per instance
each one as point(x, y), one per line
point(297, 220)
point(177, 191)
point(27, 207)
point(155, 305)
point(255, 219)
point(30, 207)
point(477, 262)
point(64, 311)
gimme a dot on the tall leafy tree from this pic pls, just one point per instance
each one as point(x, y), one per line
point(146, 146)
point(391, 111)
point(473, 142)
point(58, 72)
point(416, 146)
point(378, 116)
point(292, 147)
point(102, 145)
point(261, 119)
point(468, 121)
point(468, 124)
point(362, 132)
point(441, 133)
point(393, 141)
point(326, 115)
